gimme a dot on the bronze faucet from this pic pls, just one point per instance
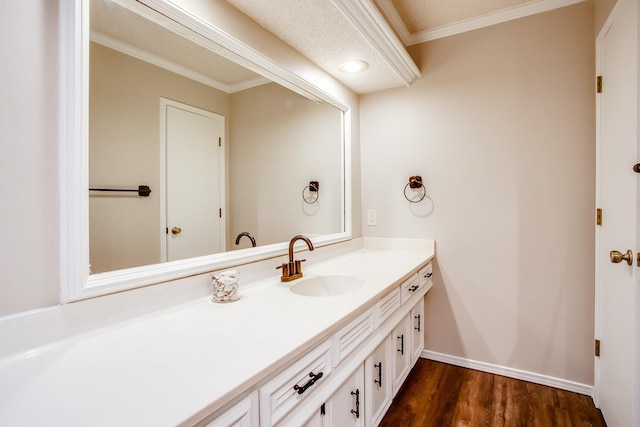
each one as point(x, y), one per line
point(292, 270)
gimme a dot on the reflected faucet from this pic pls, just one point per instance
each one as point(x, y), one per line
point(292, 270)
point(247, 234)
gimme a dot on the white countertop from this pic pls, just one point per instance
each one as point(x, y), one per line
point(189, 360)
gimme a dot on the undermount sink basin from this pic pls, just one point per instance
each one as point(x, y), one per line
point(326, 286)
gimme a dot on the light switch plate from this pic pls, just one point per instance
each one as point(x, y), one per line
point(371, 217)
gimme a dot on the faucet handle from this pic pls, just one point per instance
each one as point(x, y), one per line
point(285, 269)
point(298, 267)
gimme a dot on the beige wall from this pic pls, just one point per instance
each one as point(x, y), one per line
point(124, 151)
point(279, 142)
point(501, 127)
point(28, 165)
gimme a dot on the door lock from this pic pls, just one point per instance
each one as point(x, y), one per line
point(617, 256)
point(178, 230)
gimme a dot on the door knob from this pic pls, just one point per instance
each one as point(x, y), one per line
point(617, 256)
point(178, 230)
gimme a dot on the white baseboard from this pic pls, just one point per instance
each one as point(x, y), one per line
point(510, 372)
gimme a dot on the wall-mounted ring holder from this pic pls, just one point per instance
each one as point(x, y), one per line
point(311, 192)
point(415, 183)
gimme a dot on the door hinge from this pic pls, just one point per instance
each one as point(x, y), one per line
point(220, 212)
point(219, 141)
point(597, 348)
point(166, 230)
point(599, 84)
point(323, 411)
point(598, 216)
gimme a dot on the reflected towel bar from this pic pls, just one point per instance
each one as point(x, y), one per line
point(142, 190)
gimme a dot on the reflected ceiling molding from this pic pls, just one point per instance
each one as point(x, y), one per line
point(369, 22)
point(493, 18)
point(237, 51)
point(164, 63)
point(248, 84)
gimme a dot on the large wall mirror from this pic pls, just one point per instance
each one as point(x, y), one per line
point(191, 159)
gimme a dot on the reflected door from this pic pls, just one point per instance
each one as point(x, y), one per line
point(616, 379)
point(194, 181)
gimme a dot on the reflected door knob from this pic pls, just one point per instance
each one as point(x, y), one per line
point(178, 230)
point(617, 256)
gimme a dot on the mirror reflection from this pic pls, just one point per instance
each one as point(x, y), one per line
point(228, 155)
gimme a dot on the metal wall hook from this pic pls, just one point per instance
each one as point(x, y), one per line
point(415, 182)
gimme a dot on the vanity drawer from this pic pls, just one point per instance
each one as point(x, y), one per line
point(284, 392)
point(410, 287)
point(351, 335)
point(387, 306)
point(425, 273)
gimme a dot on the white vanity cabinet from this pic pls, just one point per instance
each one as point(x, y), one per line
point(378, 383)
point(289, 389)
point(345, 408)
point(349, 378)
point(401, 352)
point(417, 331)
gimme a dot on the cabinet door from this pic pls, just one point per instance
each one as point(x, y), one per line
point(345, 408)
point(377, 380)
point(317, 420)
point(417, 331)
point(401, 349)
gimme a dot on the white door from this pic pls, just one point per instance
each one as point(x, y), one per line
point(616, 374)
point(193, 180)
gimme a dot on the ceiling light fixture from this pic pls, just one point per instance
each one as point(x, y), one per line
point(353, 66)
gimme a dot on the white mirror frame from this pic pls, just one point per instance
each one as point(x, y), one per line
point(73, 136)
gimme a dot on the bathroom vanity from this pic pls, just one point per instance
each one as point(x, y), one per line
point(274, 357)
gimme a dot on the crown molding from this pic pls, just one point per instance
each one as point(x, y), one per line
point(393, 17)
point(493, 18)
point(370, 23)
point(164, 63)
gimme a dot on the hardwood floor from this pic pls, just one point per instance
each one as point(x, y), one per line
point(440, 395)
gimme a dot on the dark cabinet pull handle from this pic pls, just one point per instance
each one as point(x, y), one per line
point(419, 323)
point(312, 381)
point(379, 380)
point(414, 288)
point(356, 412)
point(428, 275)
point(401, 349)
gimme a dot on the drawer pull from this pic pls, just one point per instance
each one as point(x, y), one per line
point(401, 349)
point(428, 275)
point(312, 381)
point(356, 412)
point(379, 380)
point(419, 323)
point(414, 288)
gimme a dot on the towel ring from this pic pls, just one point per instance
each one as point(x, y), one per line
point(415, 182)
point(313, 187)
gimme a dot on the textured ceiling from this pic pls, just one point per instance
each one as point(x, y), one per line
point(327, 32)
point(421, 15)
point(319, 30)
